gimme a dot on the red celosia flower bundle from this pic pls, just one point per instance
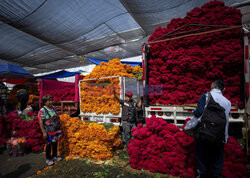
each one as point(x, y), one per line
point(16, 127)
point(66, 94)
point(234, 160)
point(185, 68)
point(162, 147)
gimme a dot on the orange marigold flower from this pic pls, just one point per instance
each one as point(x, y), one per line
point(38, 172)
point(87, 140)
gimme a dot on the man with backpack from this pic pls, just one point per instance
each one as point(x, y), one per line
point(212, 131)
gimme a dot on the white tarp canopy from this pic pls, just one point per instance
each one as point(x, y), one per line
point(46, 35)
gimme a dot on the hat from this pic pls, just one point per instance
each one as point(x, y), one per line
point(129, 93)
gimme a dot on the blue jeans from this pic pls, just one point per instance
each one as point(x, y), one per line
point(209, 158)
point(126, 133)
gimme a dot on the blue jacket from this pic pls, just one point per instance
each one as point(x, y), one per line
point(200, 106)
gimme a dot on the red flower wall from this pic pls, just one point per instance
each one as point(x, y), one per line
point(65, 94)
point(185, 68)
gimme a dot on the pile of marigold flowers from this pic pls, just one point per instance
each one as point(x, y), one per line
point(96, 95)
point(87, 140)
point(113, 68)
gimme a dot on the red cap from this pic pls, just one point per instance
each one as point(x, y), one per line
point(129, 93)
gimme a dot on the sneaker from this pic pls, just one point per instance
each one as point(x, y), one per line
point(49, 162)
point(57, 158)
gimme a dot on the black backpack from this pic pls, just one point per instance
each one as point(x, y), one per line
point(211, 128)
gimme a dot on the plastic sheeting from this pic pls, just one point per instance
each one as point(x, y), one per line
point(47, 35)
point(59, 74)
point(77, 79)
point(98, 62)
point(10, 71)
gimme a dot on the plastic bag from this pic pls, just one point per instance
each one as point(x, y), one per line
point(191, 126)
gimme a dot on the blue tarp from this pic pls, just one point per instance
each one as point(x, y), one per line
point(11, 71)
point(59, 74)
point(98, 62)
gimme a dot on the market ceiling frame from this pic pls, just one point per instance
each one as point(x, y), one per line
point(53, 38)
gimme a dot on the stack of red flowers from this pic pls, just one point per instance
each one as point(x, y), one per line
point(234, 160)
point(185, 68)
point(16, 127)
point(66, 94)
point(162, 147)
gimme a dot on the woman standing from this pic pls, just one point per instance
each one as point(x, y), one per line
point(51, 128)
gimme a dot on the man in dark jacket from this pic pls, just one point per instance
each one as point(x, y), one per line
point(128, 118)
point(212, 155)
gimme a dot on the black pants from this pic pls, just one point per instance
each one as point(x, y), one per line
point(209, 158)
point(126, 133)
point(52, 145)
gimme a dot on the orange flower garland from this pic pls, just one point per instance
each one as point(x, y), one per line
point(97, 95)
point(87, 140)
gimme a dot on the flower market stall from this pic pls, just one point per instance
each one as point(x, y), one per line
point(65, 94)
point(58, 90)
point(96, 96)
point(186, 44)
